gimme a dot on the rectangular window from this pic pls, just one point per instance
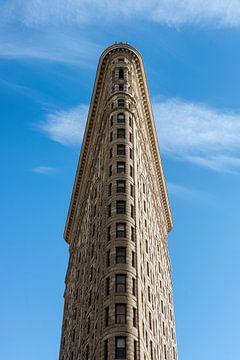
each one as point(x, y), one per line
point(131, 190)
point(121, 133)
point(120, 87)
point(108, 258)
point(130, 153)
point(120, 255)
point(132, 233)
point(121, 207)
point(120, 313)
point(120, 167)
point(133, 287)
point(105, 349)
point(121, 185)
point(134, 317)
point(111, 136)
point(130, 137)
point(133, 258)
point(109, 233)
point(121, 102)
point(135, 350)
point(120, 283)
point(120, 347)
point(130, 121)
point(110, 170)
point(165, 352)
point(107, 286)
point(110, 153)
point(121, 149)
point(121, 118)
point(111, 121)
point(131, 171)
point(132, 211)
point(110, 189)
point(120, 230)
point(107, 316)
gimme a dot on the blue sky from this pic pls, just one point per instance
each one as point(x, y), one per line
point(48, 58)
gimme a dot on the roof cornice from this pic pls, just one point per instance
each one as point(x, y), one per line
point(118, 47)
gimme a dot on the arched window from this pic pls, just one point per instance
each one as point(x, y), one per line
point(121, 74)
point(121, 118)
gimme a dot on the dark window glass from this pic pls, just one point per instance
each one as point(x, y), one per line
point(110, 189)
point(108, 258)
point(120, 255)
point(111, 136)
point(133, 258)
point(121, 102)
point(111, 121)
point(110, 170)
point(107, 316)
point(132, 211)
point(134, 317)
point(130, 153)
point(120, 167)
point(131, 190)
point(121, 133)
point(120, 313)
point(109, 233)
point(121, 74)
point(121, 149)
point(130, 121)
point(131, 171)
point(133, 286)
point(130, 137)
point(121, 207)
point(120, 283)
point(121, 185)
point(120, 347)
point(120, 230)
point(121, 118)
point(120, 87)
point(107, 285)
point(110, 153)
point(132, 233)
point(106, 350)
point(135, 350)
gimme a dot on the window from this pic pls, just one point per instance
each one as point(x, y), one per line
point(135, 350)
point(120, 255)
point(132, 211)
point(130, 153)
point(108, 258)
point(133, 287)
point(120, 313)
point(134, 317)
point(150, 321)
point(90, 298)
point(87, 352)
point(120, 167)
point(131, 190)
point(147, 268)
point(111, 136)
point(130, 121)
point(107, 316)
point(121, 118)
point(107, 285)
point(121, 207)
point(151, 350)
point(109, 210)
point(110, 189)
point(132, 233)
point(109, 233)
point(163, 327)
point(130, 137)
point(149, 294)
point(131, 171)
point(121, 102)
point(120, 346)
point(121, 149)
point(121, 74)
point(162, 306)
point(121, 185)
point(110, 170)
point(111, 121)
point(120, 87)
point(105, 349)
point(120, 230)
point(110, 153)
point(121, 133)
point(120, 283)
point(165, 352)
point(133, 258)
point(89, 324)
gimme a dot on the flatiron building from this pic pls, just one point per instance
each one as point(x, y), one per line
point(118, 295)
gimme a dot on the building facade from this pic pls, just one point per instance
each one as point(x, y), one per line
point(118, 296)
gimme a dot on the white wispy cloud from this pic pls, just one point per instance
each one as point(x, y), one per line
point(224, 13)
point(187, 131)
point(182, 191)
point(45, 170)
point(66, 126)
point(199, 134)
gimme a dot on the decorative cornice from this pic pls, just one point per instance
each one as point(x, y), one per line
point(118, 47)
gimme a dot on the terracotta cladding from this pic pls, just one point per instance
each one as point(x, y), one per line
point(118, 296)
